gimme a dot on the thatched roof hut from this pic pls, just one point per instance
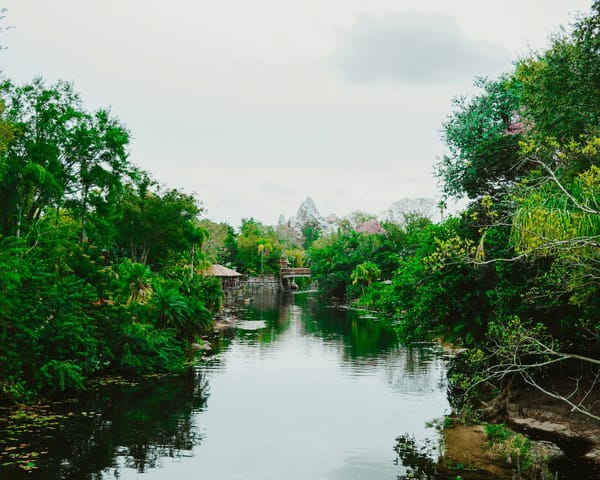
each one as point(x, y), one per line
point(229, 278)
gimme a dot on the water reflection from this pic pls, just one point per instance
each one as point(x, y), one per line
point(361, 337)
point(111, 428)
point(367, 345)
point(324, 391)
point(300, 391)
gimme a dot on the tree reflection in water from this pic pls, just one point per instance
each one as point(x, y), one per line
point(118, 426)
point(417, 459)
point(421, 461)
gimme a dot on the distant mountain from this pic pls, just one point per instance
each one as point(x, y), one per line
point(307, 216)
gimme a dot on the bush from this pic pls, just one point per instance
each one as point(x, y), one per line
point(146, 349)
point(57, 376)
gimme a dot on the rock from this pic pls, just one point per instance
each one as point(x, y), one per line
point(221, 325)
point(308, 215)
point(545, 451)
point(578, 435)
point(469, 446)
point(543, 426)
point(204, 347)
point(593, 455)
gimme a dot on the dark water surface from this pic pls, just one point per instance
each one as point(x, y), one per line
point(298, 391)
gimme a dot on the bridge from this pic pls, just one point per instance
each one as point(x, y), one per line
point(294, 272)
point(287, 275)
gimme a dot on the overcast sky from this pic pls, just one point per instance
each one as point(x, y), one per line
point(256, 104)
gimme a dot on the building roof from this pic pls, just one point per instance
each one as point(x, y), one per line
point(221, 271)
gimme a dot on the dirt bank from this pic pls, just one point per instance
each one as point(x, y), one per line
point(541, 416)
point(472, 454)
point(465, 452)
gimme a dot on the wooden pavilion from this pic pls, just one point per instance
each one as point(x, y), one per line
point(230, 279)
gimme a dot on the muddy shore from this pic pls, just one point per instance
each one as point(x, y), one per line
point(564, 440)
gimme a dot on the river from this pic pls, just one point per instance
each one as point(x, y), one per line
point(298, 391)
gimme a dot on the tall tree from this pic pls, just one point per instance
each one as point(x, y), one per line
point(59, 153)
point(483, 136)
point(155, 223)
point(100, 161)
point(560, 88)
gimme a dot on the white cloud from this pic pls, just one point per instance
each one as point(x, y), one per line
point(414, 48)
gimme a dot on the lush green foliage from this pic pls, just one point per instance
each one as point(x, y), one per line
point(347, 262)
point(153, 224)
point(482, 135)
point(536, 218)
point(255, 250)
point(98, 265)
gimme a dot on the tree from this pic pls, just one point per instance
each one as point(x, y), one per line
point(355, 218)
point(335, 259)
point(557, 222)
point(229, 254)
point(155, 223)
point(7, 134)
point(196, 236)
point(404, 210)
point(99, 145)
point(132, 282)
point(365, 273)
point(264, 248)
point(560, 88)
point(57, 155)
point(521, 350)
point(536, 228)
point(295, 256)
point(483, 136)
point(310, 234)
point(258, 250)
point(72, 208)
point(214, 246)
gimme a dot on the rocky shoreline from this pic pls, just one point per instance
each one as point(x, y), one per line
point(558, 440)
point(540, 416)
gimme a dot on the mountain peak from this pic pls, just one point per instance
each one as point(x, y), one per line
point(308, 213)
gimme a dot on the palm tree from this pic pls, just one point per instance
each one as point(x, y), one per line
point(171, 308)
point(364, 273)
point(133, 282)
point(264, 246)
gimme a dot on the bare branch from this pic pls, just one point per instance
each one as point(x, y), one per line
point(563, 189)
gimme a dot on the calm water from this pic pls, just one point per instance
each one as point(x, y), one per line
point(298, 391)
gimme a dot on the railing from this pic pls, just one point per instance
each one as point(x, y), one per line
point(295, 272)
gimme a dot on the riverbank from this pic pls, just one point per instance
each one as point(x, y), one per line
point(480, 452)
point(541, 416)
point(558, 435)
point(540, 437)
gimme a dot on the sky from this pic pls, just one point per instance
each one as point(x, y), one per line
point(255, 105)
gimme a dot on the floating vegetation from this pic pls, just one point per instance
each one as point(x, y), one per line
point(113, 380)
point(27, 421)
point(28, 431)
point(21, 458)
